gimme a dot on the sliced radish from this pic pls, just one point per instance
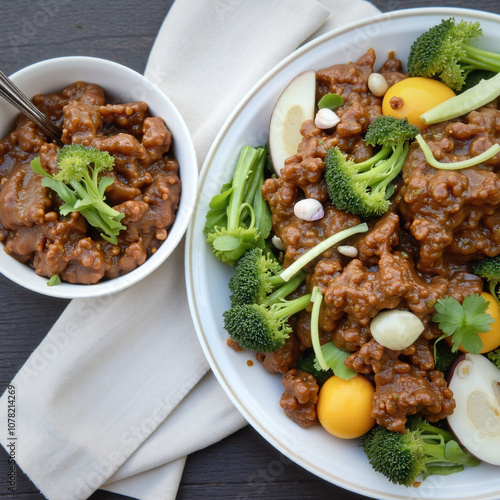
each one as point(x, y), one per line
point(295, 105)
point(475, 383)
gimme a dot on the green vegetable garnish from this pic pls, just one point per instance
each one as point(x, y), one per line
point(239, 218)
point(463, 322)
point(262, 327)
point(318, 249)
point(364, 188)
point(328, 356)
point(54, 280)
point(479, 95)
point(456, 165)
point(317, 299)
point(444, 51)
point(334, 359)
point(444, 357)
point(256, 280)
point(489, 269)
point(423, 449)
point(307, 363)
point(79, 184)
point(494, 357)
point(331, 101)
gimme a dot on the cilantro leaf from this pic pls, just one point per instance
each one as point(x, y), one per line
point(463, 322)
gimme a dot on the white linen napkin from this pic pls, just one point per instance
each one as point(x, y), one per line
point(119, 391)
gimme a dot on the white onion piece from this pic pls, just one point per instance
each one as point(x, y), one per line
point(475, 383)
point(309, 209)
point(396, 329)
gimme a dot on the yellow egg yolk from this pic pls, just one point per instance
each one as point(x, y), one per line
point(413, 96)
point(344, 406)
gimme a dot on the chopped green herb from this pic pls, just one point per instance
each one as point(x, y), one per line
point(463, 322)
point(331, 101)
point(54, 280)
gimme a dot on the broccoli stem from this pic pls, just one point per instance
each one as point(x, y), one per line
point(281, 311)
point(317, 250)
point(86, 201)
point(285, 289)
point(385, 171)
point(367, 164)
point(480, 59)
point(432, 433)
point(435, 453)
point(393, 171)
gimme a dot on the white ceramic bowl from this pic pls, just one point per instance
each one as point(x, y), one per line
point(255, 392)
point(123, 85)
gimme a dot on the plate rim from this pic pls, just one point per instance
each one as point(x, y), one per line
point(190, 285)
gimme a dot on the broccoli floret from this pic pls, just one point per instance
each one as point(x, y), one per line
point(79, 183)
point(489, 269)
point(256, 280)
point(364, 188)
point(423, 449)
point(444, 356)
point(238, 218)
point(262, 327)
point(444, 51)
point(494, 357)
point(307, 364)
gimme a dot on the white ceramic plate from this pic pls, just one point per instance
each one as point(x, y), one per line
point(255, 392)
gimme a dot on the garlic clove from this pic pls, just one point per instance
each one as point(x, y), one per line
point(396, 329)
point(377, 84)
point(326, 118)
point(309, 209)
point(277, 243)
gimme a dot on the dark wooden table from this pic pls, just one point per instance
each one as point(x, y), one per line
point(124, 31)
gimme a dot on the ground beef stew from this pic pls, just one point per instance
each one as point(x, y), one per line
point(419, 251)
point(146, 187)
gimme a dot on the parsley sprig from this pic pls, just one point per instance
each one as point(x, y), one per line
point(463, 322)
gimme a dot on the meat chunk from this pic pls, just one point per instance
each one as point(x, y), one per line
point(300, 397)
point(283, 359)
point(454, 211)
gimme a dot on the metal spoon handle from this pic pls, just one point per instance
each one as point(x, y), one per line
point(12, 94)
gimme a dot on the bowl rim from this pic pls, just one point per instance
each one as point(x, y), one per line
point(188, 175)
point(236, 399)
